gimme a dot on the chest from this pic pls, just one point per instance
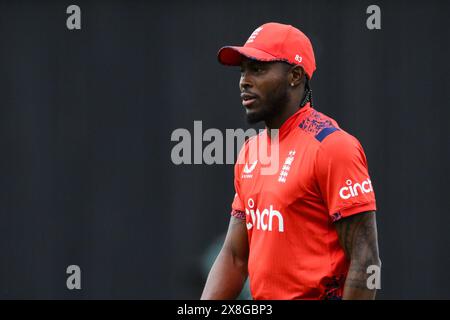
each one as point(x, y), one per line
point(287, 178)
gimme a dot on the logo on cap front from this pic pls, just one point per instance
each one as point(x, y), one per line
point(254, 35)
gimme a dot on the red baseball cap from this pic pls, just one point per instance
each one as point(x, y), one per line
point(273, 42)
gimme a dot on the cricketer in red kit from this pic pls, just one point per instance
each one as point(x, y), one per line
point(308, 231)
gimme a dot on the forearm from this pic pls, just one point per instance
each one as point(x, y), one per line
point(226, 278)
point(356, 285)
point(358, 237)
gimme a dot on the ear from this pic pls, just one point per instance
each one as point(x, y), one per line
point(296, 76)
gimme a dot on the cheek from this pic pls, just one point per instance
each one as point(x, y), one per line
point(268, 84)
point(273, 87)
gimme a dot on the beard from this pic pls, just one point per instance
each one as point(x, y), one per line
point(271, 107)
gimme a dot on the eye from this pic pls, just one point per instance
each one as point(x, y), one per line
point(257, 69)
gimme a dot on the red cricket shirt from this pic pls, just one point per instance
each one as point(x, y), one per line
point(322, 176)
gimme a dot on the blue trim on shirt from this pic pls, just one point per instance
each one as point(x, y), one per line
point(325, 132)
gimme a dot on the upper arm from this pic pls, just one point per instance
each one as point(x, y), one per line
point(343, 177)
point(358, 237)
point(236, 240)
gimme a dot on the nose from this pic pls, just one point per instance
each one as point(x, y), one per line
point(245, 81)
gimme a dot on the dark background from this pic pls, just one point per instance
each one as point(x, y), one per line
point(86, 118)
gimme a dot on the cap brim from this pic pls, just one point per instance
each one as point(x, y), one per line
point(232, 56)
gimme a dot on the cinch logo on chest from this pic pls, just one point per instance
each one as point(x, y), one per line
point(263, 220)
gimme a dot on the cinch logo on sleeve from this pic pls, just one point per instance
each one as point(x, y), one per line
point(353, 190)
point(263, 220)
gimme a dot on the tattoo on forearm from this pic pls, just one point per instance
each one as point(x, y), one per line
point(358, 238)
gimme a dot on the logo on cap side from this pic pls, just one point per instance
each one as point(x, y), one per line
point(254, 35)
point(298, 58)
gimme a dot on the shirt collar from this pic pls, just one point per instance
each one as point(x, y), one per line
point(293, 121)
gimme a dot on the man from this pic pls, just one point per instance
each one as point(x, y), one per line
point(308, 231)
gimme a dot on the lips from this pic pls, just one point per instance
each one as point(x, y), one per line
point(248, 99)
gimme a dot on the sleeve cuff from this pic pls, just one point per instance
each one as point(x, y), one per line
point(345, 212)
point(238, 214)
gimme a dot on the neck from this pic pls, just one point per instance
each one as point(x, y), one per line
point(289, 109)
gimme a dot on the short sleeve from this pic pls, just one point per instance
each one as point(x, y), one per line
point(343, 177)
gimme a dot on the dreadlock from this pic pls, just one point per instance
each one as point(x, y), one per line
point(308, 94)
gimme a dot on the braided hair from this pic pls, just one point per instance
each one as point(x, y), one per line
point(308, 94)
